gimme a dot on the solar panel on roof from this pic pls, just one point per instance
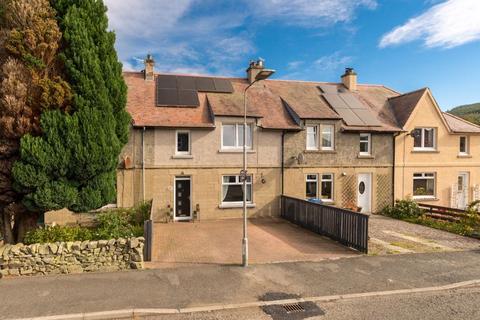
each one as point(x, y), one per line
point(166, 81)
point(167, 97)
point(223, 85)
point(205, 84)
point(352, 101)
point(335, 101)
point(186, 83)
point(367, 117)
point(188, 98)
point(328, 88)
point(350, 117)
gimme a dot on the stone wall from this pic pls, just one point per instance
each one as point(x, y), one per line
point(71, 257)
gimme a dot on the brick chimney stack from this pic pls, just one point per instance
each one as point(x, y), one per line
point(349, 79)
point(149, 68)
point(253, 69)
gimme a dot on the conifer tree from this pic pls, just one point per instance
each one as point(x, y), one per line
point(30, 83)
point(73, 163)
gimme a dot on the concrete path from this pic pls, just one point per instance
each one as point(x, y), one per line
point(220, 242)
point(214, 284)
point(391, 236)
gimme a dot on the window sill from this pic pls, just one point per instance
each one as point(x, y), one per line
point(464, 156)
point(235, 205)
point(235, 151)
point(419, 199)
point(182, 156)
point(425, 151)
point(365, 156)
point(320, 151)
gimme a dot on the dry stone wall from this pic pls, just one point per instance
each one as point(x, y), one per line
point(71, 257)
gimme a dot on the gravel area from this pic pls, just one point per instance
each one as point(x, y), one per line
point(416, 238)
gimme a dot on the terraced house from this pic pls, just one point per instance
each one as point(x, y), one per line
point(436, 155)
point(347, 144)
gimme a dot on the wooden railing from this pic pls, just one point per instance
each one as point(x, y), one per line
point(347, 227)
point(442, 213)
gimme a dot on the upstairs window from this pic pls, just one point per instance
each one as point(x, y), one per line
point(424, 139)
point(312, 138)
point(463, 146)
point(328, 133)
point(423, 185)
point(183, 142)
point(232, 136)
point(365, 144)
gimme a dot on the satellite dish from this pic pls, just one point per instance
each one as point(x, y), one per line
point(301, 158)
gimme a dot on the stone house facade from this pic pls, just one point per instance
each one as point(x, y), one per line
point(340, 143)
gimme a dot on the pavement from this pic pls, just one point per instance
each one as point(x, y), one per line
point(207, 285)
point(220, 242)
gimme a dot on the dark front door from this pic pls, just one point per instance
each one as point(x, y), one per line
point(182, 198)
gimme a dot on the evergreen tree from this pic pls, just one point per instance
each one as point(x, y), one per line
point(73, 163)
point(30, 83)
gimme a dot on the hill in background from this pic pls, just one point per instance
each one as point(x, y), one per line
point(469, 112)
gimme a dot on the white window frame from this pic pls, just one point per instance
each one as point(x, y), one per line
point(467, 151)
point(431, 176)
point(189, 152)
point(422, 139)
point(307, 179)
point(369, 144)
point(237, 182)
point(237, 145)
point(315, 137)
point(332, 180)
point(332, 132)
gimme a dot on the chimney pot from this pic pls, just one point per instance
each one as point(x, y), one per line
point(349, 79)
point(149, 67)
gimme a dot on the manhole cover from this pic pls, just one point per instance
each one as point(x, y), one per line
point(289, 311)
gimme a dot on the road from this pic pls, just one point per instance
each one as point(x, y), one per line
point(453, 304)
point(194, 286)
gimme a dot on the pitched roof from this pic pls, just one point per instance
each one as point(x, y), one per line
point(403, 105)
point(459, 125)
point(278, 104)
point(144, 112)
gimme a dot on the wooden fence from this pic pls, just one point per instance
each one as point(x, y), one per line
point(442, 213)
point(347, 227)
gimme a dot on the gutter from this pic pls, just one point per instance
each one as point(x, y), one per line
point(283, 164)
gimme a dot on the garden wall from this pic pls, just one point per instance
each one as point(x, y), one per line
point(72, 257)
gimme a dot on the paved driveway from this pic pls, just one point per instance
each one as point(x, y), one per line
point(220, 242)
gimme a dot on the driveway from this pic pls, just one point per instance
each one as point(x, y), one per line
point(220, 242)
point(390, 236)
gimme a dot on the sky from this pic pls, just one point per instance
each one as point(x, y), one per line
point(402, 44)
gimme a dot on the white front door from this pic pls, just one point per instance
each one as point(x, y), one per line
point(462, 192)
point(364, 191)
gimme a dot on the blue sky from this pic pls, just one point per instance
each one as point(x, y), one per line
point(403, 44)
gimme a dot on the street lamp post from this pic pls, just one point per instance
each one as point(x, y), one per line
point(261, 75)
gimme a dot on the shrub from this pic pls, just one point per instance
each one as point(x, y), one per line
point(58, 234)
point(403, 209)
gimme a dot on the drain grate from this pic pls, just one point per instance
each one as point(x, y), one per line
point(293, 307)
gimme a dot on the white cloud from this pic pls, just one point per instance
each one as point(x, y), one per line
point(448, 24)
point(329, 66)
point(309, 12)
point(203, 36)
point(333, 61)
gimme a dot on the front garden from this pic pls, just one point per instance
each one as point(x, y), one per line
point(466, 224)
point(111, 224)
